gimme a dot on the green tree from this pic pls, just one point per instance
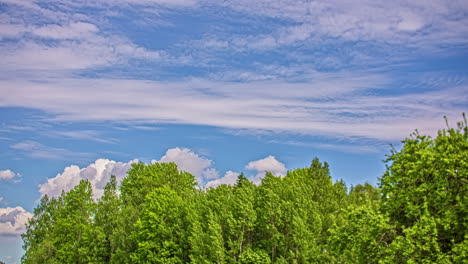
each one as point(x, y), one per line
point(250, 256)
point(161, 230)
point(73, 225)
point(416, 244)
point(219, 202)
point(215, 240)
point(363, 194)
point(245, 215)
point(424, 192)
point(362, 237)
point(141, 180)
point(61, 228)
point(38, 238)
point(105, 222)
point(271, 215)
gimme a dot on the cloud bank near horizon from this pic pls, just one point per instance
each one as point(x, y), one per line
point(100, 171)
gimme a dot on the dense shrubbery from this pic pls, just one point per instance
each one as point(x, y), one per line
point(158, 215)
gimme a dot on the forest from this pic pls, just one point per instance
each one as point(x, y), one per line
point(418, 213)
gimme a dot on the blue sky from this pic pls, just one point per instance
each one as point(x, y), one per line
point(219, 87)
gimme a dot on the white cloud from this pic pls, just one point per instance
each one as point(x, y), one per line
point(98, 173)
point(11, 30)
point(89, 51)
point(13, 220)
point(37, 150)
point(75, 30)
point(391, 22)
point(210, 173)
point(268, 164)
point(8, 175)
point(91, 135)
point(410, 22)
point(229, 178)
point(332, 105)
point(340, 104)
point(71, 55)
point(367, 147)
point(172, 3)
point(60, 41)
point(191, 162)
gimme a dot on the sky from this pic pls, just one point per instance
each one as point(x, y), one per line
point(220, 87)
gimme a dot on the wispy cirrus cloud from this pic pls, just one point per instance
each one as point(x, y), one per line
point(37, 150)
point(358, 148)
point(297, 90)
point(72, 54)
point(90, 135)
point(57, 39)
point(334, 106)
point(335, 35)
point(402, 22)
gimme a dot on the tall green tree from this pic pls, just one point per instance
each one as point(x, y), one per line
point(219, 201)
point(362, 237)
point(61, 229)
point(141, 180)
point(105, 222)
point(162, 229)
point(73, 225)
point(271, 215)
point(425, 190)
point(38, 238)
point(245, 215)
point(206, 238)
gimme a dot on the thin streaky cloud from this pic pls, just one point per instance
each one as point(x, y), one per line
point(90, 135)
point(343, 147)
point(335, 109)
point(35, 149)
point(408, 23)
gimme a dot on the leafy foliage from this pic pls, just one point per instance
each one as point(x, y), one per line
point(425, 192)
point(419, 214)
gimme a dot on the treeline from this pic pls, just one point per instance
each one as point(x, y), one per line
point(419, 214)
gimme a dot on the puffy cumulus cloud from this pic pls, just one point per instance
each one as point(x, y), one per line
point(268, 164)
point(210, 173)
point(13, 220)
point(8, 175)
point(98, 173)
point(189, 161)
point(229, 178)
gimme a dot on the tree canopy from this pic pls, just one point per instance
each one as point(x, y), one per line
point(417, 214)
